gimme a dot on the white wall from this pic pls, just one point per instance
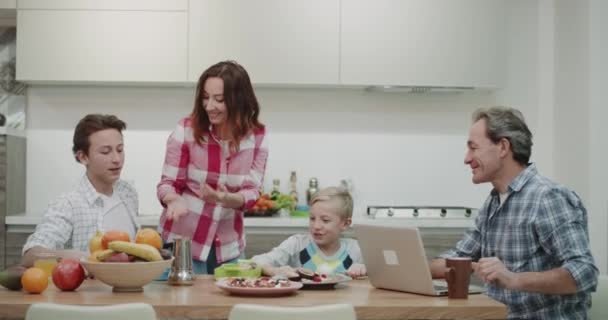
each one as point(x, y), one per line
point(581, 73)
point(396, 148)
point(598, 145)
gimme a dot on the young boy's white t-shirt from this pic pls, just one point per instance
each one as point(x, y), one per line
point(300, 250)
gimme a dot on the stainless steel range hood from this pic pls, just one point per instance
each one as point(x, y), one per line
point(419, 89)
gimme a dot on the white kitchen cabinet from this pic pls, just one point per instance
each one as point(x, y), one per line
point(107, 45)
point(150, 5)
point(277, 41)
point(422, 42)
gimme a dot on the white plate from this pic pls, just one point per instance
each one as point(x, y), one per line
point(293, 286)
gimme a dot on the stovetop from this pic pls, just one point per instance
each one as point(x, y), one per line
point(421, 212)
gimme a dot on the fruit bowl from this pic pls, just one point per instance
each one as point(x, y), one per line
point(126, 276)
point(262, 213)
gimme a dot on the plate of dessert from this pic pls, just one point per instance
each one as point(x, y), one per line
point(264, 286)
point(319, 281)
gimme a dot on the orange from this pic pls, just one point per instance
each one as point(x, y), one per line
point(150, 237)
point(113, 235)
point(34, 280)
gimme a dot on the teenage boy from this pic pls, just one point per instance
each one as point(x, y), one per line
point(101, 201)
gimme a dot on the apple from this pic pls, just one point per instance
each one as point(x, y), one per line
point(68, 274)
point(118, 257)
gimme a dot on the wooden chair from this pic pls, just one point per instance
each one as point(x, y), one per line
point(265, 312)
point(599, 300)
point(128, 311)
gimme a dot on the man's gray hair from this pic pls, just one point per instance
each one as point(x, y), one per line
point(508, 123)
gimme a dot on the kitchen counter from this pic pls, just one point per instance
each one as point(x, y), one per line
point(269, 224)
point(205, 300)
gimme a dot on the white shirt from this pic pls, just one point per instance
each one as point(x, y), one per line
point(116, 216)
point(73, 218)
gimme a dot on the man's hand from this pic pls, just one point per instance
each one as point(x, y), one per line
point(176, 208)
point(208, 194)
point(357, 270)
point(492, 270)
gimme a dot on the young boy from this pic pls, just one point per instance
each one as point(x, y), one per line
point(321, 249)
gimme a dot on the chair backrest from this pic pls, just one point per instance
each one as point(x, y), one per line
point(265, 312)
point(599, 302)
point(128, 311)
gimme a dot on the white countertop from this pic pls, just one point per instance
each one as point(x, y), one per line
point(13, 132)
point(272, 223)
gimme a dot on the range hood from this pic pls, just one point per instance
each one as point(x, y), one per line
point(419, 89)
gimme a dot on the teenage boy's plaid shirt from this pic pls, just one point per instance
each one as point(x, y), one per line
point(541, 226)
point(73, 218)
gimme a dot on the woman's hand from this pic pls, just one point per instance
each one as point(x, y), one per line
point(176, 208)
point(357, 270)
point(208, 194)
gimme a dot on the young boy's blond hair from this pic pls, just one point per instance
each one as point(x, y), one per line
point(339, 198)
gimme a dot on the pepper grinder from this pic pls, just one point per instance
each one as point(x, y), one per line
point(313, 187)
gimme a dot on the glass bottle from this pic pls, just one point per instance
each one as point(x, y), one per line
point(313, 187)
point(293, 192)
point(276, 188)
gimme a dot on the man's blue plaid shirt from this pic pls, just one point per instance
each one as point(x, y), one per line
point(540, 226)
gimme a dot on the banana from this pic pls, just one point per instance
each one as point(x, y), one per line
point(101, 256)
point(140, 250)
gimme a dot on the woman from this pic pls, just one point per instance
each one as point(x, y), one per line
point(214, 165)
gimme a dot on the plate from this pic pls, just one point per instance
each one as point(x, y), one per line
point(265, 292)
point(329, 283)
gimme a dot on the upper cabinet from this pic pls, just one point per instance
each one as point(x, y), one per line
point(142, 41)
point(277, 41)
point(280, 42)
point(422, 42)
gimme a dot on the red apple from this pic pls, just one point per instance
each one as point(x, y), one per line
point(68, 275)
point(118, 257)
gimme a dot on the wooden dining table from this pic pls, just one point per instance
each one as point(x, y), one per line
point(204, 300)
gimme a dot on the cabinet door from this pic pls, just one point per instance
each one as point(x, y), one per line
point(101, 45)
point(422, 42)
point(277, 41)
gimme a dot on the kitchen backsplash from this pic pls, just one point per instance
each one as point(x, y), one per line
point(402, 149)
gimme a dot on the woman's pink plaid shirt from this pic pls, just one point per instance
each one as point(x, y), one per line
point(188, 165)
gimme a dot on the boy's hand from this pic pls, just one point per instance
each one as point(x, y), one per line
point(285, 271)
point(357, 270)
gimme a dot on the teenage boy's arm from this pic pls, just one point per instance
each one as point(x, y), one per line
point(32, 254)
point(52, 234)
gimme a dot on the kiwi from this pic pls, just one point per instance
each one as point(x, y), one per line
point(11, 277)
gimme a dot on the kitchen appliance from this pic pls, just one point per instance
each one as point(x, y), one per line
point(445, 213)
point(181, 271)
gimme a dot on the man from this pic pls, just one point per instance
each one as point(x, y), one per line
point(101, 201)
point(530, 240)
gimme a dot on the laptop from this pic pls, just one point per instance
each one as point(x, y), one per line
point(395, 259)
